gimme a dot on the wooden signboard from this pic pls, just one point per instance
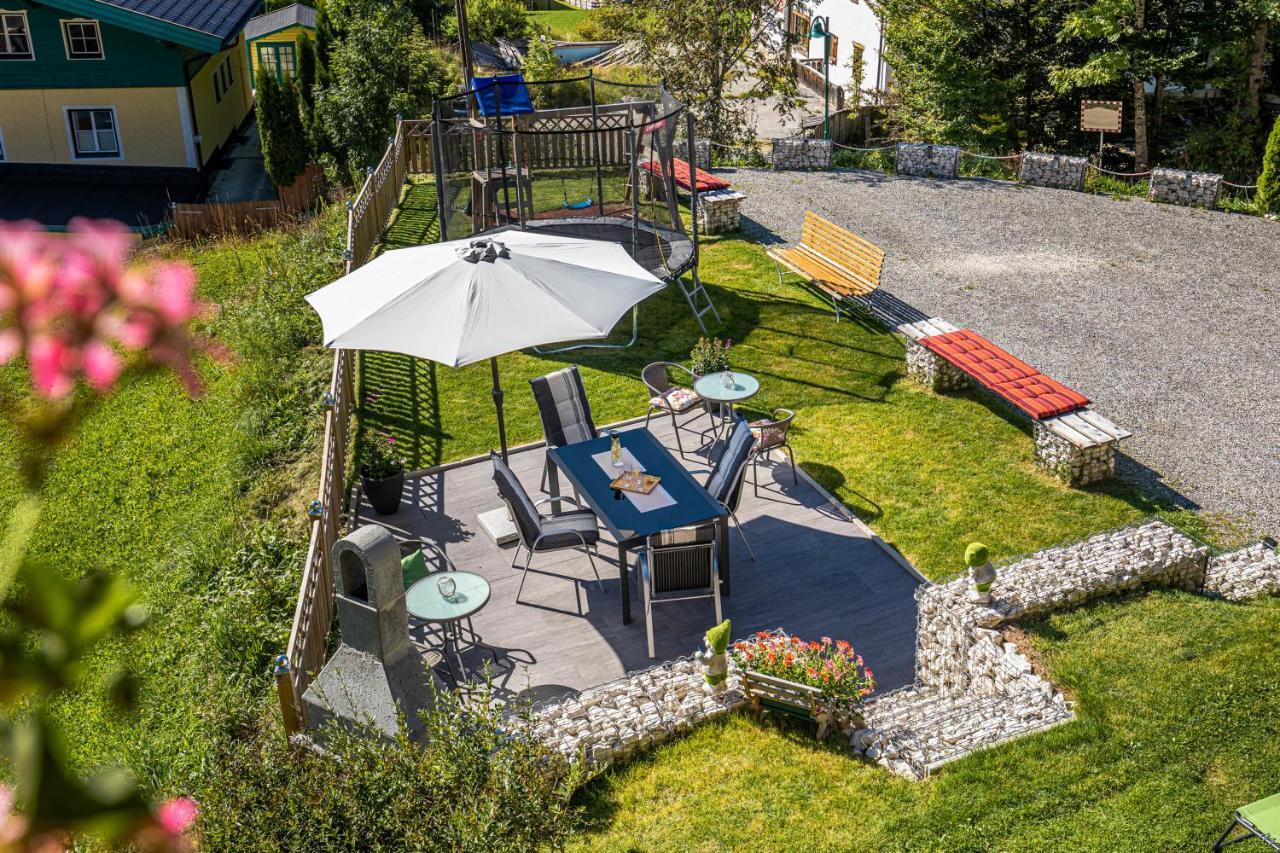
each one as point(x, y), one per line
point(1102, 116)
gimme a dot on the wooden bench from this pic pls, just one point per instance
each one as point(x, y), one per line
point(833, 259)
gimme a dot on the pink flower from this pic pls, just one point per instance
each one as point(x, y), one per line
point(177, 815)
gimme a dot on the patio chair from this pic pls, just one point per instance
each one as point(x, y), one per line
point(1260, 819)
point(669, 398)
point(725, 481)
point(540, 533)
point(679, 565)
point(772, 434)
point(564, 409)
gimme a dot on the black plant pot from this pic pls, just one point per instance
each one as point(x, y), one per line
point(384, 495)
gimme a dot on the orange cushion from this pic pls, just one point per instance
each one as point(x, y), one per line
point(707, 182)
point(999, 372)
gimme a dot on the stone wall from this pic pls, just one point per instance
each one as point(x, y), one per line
point(801, 153)
point(1052, 170)
point(1077, 466)
point(1174, 186)
point(932, 371)
point(615, 721)
point(1246, 573)
point(720, 212)
point(702, 152)
point(957, 641)
point(928, 161)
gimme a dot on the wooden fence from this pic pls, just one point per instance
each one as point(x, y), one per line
point(222, 218)
point(537, 150)
point(809, 72)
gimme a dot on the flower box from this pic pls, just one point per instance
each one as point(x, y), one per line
point(768, 693)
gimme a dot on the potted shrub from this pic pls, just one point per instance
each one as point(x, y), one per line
point(382, 475)
point(824, 681)
point(710, 355)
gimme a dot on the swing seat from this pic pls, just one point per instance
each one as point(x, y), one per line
point(578, 205)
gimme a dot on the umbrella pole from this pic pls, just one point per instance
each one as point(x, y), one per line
point(497, 404)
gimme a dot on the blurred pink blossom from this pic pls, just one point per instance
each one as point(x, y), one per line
point(74, 307)
point(177, 815)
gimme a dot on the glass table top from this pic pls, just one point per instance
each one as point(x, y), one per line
point(425, 600)
point(712, 387)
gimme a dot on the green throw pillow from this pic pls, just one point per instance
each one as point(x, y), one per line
point(414, 568)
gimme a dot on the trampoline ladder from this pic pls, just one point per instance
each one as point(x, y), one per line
point(695, 294)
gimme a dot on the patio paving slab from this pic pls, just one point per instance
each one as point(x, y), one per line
point(817, 574)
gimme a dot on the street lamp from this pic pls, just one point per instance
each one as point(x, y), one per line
point(822, 30)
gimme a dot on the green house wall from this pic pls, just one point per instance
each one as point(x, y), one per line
point(131, 59)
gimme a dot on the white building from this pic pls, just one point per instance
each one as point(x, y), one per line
point(853, 24)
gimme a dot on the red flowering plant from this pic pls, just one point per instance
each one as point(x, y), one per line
point(830, 665)
point(78, 316)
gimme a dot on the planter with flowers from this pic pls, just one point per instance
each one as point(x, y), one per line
point(824, 681)
point(382, 474)
point(710, 355)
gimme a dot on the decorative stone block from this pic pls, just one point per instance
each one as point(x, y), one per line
point(933, 371)
point(1173, 186)
point(1245, 573)
point(1077, 466)
point(702, 153)
point(1052, 170)
point(720, 212)
point(801, 153)
point(927, 161)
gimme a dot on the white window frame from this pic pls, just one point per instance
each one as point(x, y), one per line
point(71, 133)
point(66, 39)
point(26, 25)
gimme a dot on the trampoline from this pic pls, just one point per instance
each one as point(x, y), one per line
point(579, 157)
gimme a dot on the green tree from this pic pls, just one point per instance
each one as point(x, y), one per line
point(490, 20)
point(381, 64)
point(540, 64)
point(1269, 182)
point(285, 151)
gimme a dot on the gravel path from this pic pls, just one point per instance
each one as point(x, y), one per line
point(1165, 317)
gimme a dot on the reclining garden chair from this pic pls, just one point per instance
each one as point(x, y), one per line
point(1259, 819)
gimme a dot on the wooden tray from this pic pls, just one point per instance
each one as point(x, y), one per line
point(648, 482)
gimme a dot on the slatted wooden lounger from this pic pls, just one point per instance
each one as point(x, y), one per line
point(833, 259)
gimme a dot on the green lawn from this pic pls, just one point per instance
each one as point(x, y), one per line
point(199, 504)
point(929, 473)
point(1177, 702)
point(558, 19)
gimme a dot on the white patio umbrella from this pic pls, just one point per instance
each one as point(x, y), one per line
point(467, 300)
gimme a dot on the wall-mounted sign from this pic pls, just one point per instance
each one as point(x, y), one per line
point(1102, 116)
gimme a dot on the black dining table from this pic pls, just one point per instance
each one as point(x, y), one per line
point(628, 525)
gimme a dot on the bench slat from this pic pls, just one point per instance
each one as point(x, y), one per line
point(1104, 424)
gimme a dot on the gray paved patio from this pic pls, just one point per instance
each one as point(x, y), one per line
point(816, 574)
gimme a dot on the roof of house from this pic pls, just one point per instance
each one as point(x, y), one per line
point(296, 15)
point(207, 25)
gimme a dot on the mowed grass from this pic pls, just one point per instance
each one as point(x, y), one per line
point(558, 19)
point(929, 473)
point(1176, 702)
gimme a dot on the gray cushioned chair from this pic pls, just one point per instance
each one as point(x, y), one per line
point(725, 482)
point(564, 409)
point(679, 565)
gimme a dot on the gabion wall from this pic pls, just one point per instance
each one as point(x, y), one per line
point(1187, 188)
point(800, 153)
point(928, 161)
point(1052, 170)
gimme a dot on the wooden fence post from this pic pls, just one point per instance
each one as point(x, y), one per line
point(288, 701)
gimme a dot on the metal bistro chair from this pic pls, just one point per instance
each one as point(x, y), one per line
point(772, 434)
point(565, 412)
point(725, 482)
point(679, 565)
point(669, 398)
point(540, 533)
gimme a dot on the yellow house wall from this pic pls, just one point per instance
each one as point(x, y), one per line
point(33, 123)
point(216, 120)
point(290, 35)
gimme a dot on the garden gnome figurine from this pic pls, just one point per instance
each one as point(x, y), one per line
point(981, 572)
point(715, 660)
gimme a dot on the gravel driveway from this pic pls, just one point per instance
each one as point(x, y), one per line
point(1165, 317)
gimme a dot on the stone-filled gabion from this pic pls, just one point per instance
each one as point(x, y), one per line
point(720, 212)
point(932, 371)
point(615, 721)
point(1174, 186)
point(1077, 466)
point(702, 147)
point(927, 161)
point(801, 153)
point(1246, 573)
point(1052, 170)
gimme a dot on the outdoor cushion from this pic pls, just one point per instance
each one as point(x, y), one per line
point(766, 438)
point(707, 182)
point(563, 407)
point(676, 399)
point(1016, 381)
point(727, 474)
point(414, 568)
point(561, 531)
